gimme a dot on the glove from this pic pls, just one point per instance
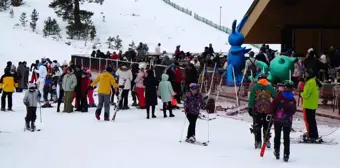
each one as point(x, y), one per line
point(39, 95)
point(250, 111)
point(26, 103)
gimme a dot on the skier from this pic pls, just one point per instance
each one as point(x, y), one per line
point(192, 103)
point(166, 92)
point(42, 71)
point(8, 83)
point(105, 80)
point(125, 78)
point(259, 103)
point(283, 108)
point(31, 100)
point(150, 93)
point(310, 96)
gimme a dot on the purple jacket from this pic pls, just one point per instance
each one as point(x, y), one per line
point(193, 103)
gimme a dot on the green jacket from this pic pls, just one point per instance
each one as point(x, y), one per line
point(261, 84)
point(310, 94)
point(69, 82)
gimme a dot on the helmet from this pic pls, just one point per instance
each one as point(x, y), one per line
point(262, 76)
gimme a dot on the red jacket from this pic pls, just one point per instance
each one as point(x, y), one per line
point(115, 56)
point(178, 75)
point(84, 84)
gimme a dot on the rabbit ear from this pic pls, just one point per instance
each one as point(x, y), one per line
point(233, 30)
point(241, 24)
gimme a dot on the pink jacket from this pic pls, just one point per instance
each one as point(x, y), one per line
point(140, 79)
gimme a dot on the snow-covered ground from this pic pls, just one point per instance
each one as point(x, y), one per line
point(154, 22)
point(78, 140)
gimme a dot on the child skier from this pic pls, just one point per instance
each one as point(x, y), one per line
point(259, 103)
point(283, 108)
point(192, 103)
point(31, 100)
point(166, 92)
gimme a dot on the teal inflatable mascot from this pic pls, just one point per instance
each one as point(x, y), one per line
point(236, 59)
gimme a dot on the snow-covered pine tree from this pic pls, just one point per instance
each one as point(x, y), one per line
point(51, 27)
point(109, 42)
point(132, 45)
point(23, 19)
point(34, 19)
point(11, 13)
point(4, 5)
point(70, 11)
point(117, 43)
point(17, 3)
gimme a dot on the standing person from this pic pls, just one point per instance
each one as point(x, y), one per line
point(8, 83)
point(125, 78)
point(77, 92)
point(283, 108)
point(158, 49)
point(259, 103)
point(151, 93)
point(178, 82)
point(105, 80)
point(47, 87)
point(140, 86)
point(251, 64)
point(84, 85)
point(191, 75)
point(42, 71)
point(310, 96)
point(166, 92)
point(192, 103)
point(134, 70)
point(69, 84)
point(34, 69)
point(90, 90)
point(31, 100)
point(60, 86)
point(27, 72)
point(21, 71)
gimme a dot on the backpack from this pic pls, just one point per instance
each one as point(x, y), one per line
point(252, 68)
point(285, 111)
point(262, 100)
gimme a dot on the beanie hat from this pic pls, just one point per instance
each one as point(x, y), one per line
point(109, 69)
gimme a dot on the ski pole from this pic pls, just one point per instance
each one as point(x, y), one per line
point(180, 138)
point(40, 112)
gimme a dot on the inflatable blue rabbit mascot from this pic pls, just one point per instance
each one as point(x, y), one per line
point(236, 59)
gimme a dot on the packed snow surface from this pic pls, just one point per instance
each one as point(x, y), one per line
point(78, 140)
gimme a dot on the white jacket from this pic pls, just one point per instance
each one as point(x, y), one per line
point(42, 71)
point(158, 50)
point(125, 78)
point(197, 64)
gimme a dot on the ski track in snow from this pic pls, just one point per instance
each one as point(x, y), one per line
point(78, 140)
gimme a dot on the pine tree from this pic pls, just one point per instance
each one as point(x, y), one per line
point(23, 19)
point(11, 13)
point(93, 33)
point(51, 27)
point(70, 11)
point(118, 43)
point(132, 45)
point(4, 5)
point(109, 42)
point(17, 3)
point(34, 19)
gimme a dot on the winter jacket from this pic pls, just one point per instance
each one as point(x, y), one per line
point(31, 98)
point(191, 76)
point(283, 108)
point(165, 89)
point(60, 81)
point(193, 103)
point(115, 56)
point(84, 84)
point(151, 84)
point(42, 71)
point(178, 75)
point(196, 63)
point(125, 78)
point(158, 50)
point(21, 76)
point(260, 96)
point(139, 79)
point(105, 80)
point(8, 82)
point(310, 94)
point(48, 80)
point(69, 82)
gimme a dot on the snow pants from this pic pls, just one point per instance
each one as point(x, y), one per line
point(261, 123)
point(60, 98)
point(45, 92)
point(310, 123)
point(192, 118)
point(286, 137)
point(31, 114)
point(9, 98)
point(90, 96)
point(34, 77)
point(140, 96)
point(103, 101)
point(123, 102)
point(41, 88)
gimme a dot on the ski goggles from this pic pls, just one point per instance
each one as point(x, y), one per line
point(194, 87)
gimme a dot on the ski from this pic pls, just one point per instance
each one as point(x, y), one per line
point(119, 99)
point(31, 130)
point(268, 136)
point(323, 142)
point(198, 143)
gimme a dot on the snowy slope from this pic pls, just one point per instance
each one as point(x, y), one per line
point(79, 141)
point(155, 22)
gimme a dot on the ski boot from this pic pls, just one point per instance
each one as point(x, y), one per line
point(154, 116)
point(9, 109)
point(106, 118)
point(286, 157)
point(3, 109)
point(32, 126)
point(147, 116)
point(172, 115)
point(277, 154)
point(27, 126)
point(191, 139)
point(97, 116)
point(258, 145)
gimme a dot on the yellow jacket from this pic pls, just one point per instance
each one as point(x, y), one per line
point(105, 80)
point(8, 83)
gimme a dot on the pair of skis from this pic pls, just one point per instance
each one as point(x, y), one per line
point(119, 100)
